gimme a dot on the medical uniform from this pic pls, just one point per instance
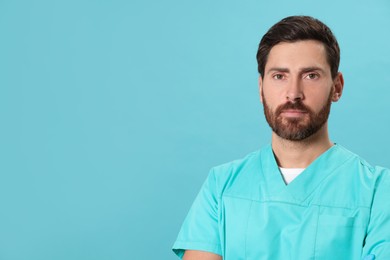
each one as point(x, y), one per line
point(337, 208)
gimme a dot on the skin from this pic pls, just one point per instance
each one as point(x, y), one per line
point(299, 71)
point(295, 71)
point(200, 255)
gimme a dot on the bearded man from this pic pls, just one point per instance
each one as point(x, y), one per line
point(302, 196)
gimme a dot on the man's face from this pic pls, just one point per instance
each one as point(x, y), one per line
point(297, 89)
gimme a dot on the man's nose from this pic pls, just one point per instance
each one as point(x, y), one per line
point(295, 91)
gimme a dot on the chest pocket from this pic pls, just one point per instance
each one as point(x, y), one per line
point(339, 235)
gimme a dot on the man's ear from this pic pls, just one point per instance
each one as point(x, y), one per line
point(338, 87)
point(261, 88)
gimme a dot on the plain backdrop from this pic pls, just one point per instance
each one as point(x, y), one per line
point(113, 112)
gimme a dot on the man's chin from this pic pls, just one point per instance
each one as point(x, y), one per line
point(293, 122)
point(293, 133)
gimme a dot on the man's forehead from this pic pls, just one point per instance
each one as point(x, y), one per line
point(302, 54)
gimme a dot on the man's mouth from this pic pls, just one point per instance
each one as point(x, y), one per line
point(293, 113)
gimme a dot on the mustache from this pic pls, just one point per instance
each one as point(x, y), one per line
point(294, 106)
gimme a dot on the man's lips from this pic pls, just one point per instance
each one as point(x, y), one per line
point(293, 112)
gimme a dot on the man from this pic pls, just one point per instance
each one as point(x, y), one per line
point(302, 196)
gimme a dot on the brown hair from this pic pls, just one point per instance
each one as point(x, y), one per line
point(297, 28)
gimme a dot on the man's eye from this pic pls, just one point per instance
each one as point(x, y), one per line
point(312, 76)
point(278, 76)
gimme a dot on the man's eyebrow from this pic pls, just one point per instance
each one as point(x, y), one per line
point(278, 69)
point(312, 68)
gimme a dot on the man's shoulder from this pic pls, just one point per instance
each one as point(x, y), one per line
point(368, 168)
point(239, 174)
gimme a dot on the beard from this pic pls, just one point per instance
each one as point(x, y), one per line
point(296, 129)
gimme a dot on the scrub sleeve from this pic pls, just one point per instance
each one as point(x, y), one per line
point(200, 228)
point(377, 242)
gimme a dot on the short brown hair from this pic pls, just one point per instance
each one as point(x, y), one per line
point(297, 28)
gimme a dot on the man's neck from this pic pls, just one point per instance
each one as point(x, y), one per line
point(300, 154)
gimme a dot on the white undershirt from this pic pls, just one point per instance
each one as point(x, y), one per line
point(289, 174)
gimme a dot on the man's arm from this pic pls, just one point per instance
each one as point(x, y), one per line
point(200, 230)
point(377, 243)
point(200, 255)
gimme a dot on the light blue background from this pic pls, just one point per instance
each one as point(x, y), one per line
point(112, 113)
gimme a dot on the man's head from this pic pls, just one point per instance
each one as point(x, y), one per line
point(299, 28)
point(298, 63)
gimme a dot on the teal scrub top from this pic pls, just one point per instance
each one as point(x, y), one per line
point(337, 208)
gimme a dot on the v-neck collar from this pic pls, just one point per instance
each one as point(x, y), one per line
point(305, 184)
